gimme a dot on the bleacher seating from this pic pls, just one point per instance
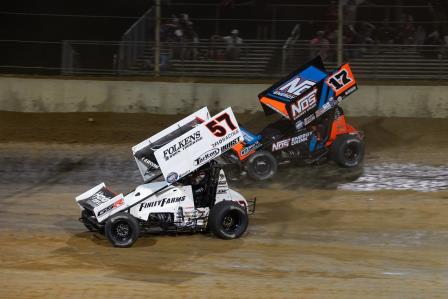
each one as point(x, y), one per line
point(261, 58)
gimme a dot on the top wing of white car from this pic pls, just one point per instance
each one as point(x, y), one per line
point(144, 151)
point(185, 146)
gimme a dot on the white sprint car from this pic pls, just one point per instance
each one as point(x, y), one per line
point(184, 189)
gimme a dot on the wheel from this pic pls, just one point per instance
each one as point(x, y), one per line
point(228, 220)
point(262, 165)
point(122, 230)
point(84, 216)
point(347, 150)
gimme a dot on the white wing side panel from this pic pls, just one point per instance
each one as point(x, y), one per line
point(90, 192)
point(198, 146)
point(201, 114)
point(109, 208)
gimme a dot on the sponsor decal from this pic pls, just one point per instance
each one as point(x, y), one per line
point(300, 139)
point(105, 210)
point(229, 145)
point(99, 198)
point(205, 157)
point(225, 138)
point(161, 202)
point(304, 104)
point(215, 125)
point(151, 166)
point(246, 135)
point(309, 119)
point(116, 204)
point(149, 163)
point(172, 177)
point(299, 125)
point(221, 191)
point(324, 109)
point(350, 90)
point(281, 144)
point(293, 88)
point(339, 80)
point(245, 151)
point(182, 145)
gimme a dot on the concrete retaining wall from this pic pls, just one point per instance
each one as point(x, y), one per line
point(58, 95)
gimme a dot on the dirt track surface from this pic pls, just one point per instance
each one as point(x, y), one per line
point(377, 231)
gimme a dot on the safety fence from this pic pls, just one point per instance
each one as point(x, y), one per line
point(215, 58)
point(379, 38)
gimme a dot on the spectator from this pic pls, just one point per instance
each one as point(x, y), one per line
point(406, 31)
point(319, 45)
point(420, 36)
point(433, 45)
point(444, 51)
point(385, 33)
point(214, 51)
point(191, 38)
point(367, 29)
point(290, 46)
point(350, 13)
point(233, 45)
point(179, 46)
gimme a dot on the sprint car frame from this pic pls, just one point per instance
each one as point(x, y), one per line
point(312, 127)
point(184, 190)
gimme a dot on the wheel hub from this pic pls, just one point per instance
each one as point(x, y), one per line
point(261, 166)
point(351, 153)
point(228, 222)
point(122, 230)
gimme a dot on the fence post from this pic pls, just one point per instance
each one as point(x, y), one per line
point(217, 15)
point(64, 57)
point(157, 40)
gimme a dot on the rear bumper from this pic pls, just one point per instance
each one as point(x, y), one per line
point(91, 222)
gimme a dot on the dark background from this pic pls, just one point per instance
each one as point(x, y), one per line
point(57, 28)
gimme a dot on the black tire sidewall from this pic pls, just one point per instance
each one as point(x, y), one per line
point(268, 157)
point(219, 212)
point(133, 224)
point(339, 146)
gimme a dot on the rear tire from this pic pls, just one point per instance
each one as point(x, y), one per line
point(228, 220)
point(347, 150)
point(122, 230)
point(261, 165)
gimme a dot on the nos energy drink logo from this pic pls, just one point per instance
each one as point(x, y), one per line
point(298, 83)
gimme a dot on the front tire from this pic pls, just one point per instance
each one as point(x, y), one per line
point(228, 220)
point(347, 150)
point(262, 165)
point(122, 230)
